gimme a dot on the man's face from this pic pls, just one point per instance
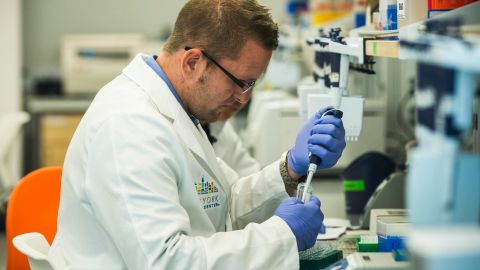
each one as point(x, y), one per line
point(215, 93)
point(230, 111)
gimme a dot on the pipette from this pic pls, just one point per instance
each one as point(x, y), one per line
point(314, 160)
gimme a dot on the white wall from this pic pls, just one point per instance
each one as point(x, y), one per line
point(46, 21)
point(10, 56)
point(10, 65)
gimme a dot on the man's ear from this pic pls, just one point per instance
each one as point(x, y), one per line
point(192, 67)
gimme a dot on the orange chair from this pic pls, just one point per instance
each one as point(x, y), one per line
point(32, 207)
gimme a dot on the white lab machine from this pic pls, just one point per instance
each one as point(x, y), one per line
point(273, 122)
point(305, 88)
point(259, 98)
point(90, 61)
point(376, 214)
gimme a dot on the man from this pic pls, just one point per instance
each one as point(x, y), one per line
point(142, 188)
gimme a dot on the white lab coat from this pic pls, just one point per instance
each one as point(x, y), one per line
point(133, 198)
point(229, 148)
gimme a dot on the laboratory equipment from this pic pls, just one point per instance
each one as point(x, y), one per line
point(332, 61)
point(285, 68)
point(389, 194)
point(352, 108)
point(90, 61)
point(302, 192)
point(362, 177)
point(388, 14)
point(443, 181)
point(304, 91)
point(273, 122)
point(369, 127)
point(321, 255)
point(446, 85)
point(391, 231)
point(333, 55)
point(376, 214)
point(335, 58)
point(369, 261)
point(320, 136)
point(367, 243)
point(314, 160)
point(456, 247)
point(360, 10)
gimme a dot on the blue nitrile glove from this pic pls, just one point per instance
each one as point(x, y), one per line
point(305, 220)
point(324, 138)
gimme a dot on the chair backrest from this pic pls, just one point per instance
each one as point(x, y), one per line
point(35, 247)
point(33, 207)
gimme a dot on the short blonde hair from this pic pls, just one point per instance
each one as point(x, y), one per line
point(222, 27)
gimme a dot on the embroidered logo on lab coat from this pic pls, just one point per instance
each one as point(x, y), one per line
point(208, 194)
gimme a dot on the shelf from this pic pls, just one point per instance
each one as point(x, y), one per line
point(46, 105)
point(382, 48)
point(389, 48)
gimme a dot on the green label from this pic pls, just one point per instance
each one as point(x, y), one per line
point(374, 48)
point(354, 185)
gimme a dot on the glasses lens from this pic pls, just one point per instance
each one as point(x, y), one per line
point(245, 96)
point(248, 86)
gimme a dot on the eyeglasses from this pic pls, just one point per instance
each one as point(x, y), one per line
point(245, 86)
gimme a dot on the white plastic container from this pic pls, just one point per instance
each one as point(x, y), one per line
point(388, 14)
point(410, 11)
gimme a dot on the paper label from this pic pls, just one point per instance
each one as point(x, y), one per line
point(401, 9)
point(353, 185)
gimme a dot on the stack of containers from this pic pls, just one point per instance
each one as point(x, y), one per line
point(388, 14)
point(367, 243)
point(388, 229)
point(359, 9)
point(391, 231)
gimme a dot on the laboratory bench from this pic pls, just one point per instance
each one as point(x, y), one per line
point(327, 252)
point(53, 122)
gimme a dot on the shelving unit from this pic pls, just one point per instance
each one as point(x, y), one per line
point(391, 48)
point(53, 122)
point(382, 48)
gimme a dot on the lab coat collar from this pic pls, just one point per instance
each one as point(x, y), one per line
point(151, 61)
point(193, 136)
point(139, 72)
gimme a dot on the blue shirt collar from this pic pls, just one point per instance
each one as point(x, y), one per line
point(152, 63)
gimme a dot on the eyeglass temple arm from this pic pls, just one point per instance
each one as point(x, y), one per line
point(237, 81)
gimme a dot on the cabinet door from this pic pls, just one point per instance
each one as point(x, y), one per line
point(56, 131)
